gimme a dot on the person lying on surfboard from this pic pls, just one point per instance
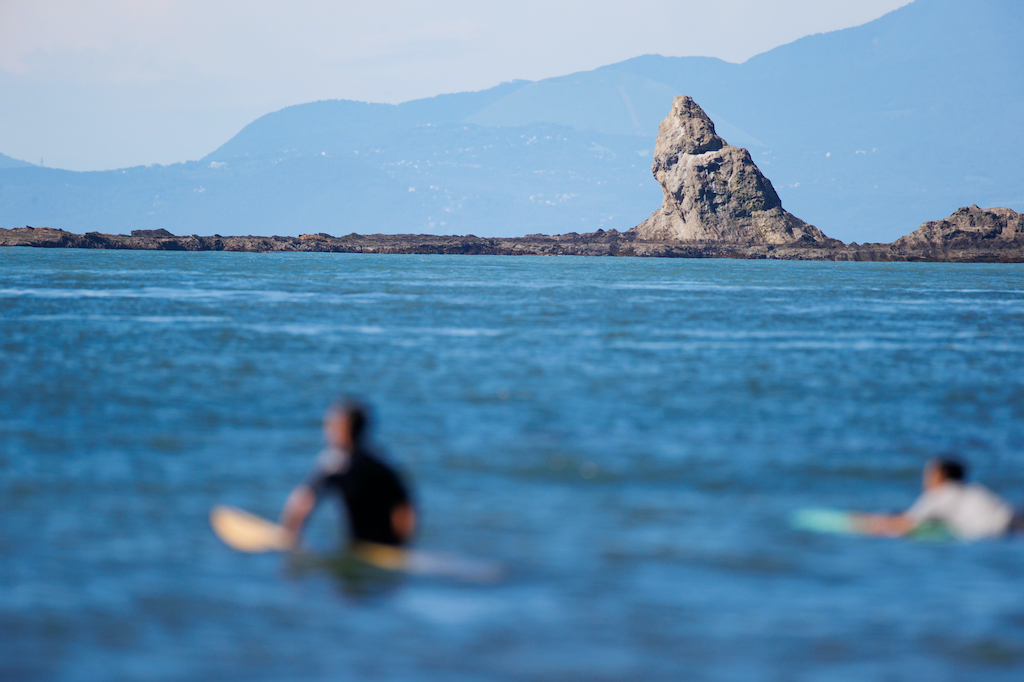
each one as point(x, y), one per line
point(378, 505)
point(970, 511)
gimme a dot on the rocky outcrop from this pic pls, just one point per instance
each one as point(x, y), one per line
point(971, 233)
point(713, 192)
point(154, 234)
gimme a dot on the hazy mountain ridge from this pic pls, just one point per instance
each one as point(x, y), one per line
point(8, 162)
point(865, 132)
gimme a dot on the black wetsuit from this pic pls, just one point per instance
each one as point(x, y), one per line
point(371, 490)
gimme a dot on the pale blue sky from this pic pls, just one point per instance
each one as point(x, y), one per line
point(116, 83)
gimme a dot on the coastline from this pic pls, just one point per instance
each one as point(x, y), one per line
point(600, 243)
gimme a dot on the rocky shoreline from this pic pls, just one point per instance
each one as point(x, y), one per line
point(717, 204)
point(600, 243)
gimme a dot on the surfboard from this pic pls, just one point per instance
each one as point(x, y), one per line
point(838, 522)
point(245, 532)
point(823, 521)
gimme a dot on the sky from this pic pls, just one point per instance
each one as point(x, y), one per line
point(118, 83)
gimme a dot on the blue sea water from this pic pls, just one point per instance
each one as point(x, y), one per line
point(628, 437)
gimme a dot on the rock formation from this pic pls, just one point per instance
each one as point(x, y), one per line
point(969, 228)
point(714, 192)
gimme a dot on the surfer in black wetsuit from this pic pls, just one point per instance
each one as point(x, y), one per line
point(379, 506)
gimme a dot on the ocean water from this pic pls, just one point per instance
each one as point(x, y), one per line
point(628, 437)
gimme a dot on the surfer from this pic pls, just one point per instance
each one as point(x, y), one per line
point(969, 510)
point(378, 505)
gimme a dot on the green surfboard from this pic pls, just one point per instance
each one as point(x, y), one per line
point(838, 522)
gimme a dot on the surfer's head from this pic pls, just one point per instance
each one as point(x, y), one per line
point(943, 470)
point(345, 423)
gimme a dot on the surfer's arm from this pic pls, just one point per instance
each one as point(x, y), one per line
point(296, 509)
point(886, 525)
point(932, 505)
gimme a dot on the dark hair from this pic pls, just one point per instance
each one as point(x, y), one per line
point(951, 469)
point(358, 416)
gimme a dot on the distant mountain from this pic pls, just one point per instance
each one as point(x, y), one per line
point(865, 133)
point(8, 162)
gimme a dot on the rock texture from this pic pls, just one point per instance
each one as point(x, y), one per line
point(713, 192)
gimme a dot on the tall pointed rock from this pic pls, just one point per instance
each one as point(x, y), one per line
point(713, 191)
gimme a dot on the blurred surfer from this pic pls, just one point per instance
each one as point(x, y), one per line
point(379, 507)
point(969, 511)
